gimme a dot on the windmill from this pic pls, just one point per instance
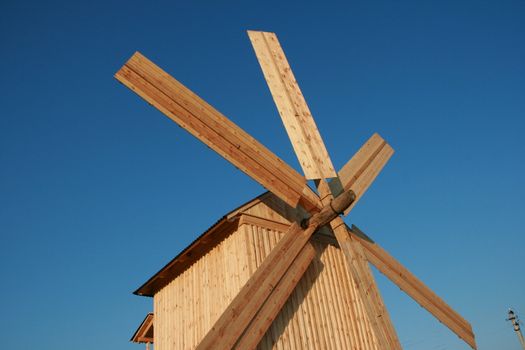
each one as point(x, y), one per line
point(244, 322)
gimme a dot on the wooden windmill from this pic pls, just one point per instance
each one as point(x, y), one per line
point(246, 319)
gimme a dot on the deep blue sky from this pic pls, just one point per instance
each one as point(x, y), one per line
point(98, 190)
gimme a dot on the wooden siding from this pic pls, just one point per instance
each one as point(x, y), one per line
point(323, 312)
point(190, 304)
point(311, 319)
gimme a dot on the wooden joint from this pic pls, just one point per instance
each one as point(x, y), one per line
point(329, 212)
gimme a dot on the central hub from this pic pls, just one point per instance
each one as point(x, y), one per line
point(331, 211)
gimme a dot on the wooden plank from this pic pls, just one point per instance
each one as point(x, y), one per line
point(270, 309)
point(299, 305)
point(262, 222)
point(335, 301)
point(283, 329)
point(222, 125)
point(360, 171)
point(355, 166)
point(314, 305)
point(368, 175)
point(325, 313)
point(416, 289)
point(206, 113)
point(214, 129)
point(295, 114)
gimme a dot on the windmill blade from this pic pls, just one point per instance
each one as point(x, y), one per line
point(416, 289)
point(295, 114)
point(360, 171)
point(215, 130)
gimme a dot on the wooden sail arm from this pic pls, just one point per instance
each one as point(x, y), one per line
point(218, 132)
point(416, 289)
point(361, 170)
point(291, 105)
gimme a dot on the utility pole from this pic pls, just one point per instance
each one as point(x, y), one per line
point(516, 324)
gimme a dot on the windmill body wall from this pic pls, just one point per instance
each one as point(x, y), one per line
point(189, 305)
point(323, 312)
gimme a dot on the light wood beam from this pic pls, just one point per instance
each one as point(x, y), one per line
point(359, 162)
point(416, 289)
point(273, 305)
point(292, 107)
point(362, 169)
point(215, 130)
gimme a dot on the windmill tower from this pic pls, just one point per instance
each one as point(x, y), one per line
point(284, 270)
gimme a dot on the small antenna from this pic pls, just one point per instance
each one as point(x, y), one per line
point(513, 317)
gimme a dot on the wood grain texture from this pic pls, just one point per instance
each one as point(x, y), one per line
point(214, 129)
point(416, 289)
point(181, 324)
point(190, 304)
point(234, 320)
point(355, 166)
point(319, 314)
point(295, 114)
point(364, 173)
point(355, 256)
point(237, 317)
point(356, 264)
point(208, 240)
point(274, 303)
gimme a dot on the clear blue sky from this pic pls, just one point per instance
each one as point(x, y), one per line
point(98, 190)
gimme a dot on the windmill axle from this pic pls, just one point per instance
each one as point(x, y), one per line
point(331, 211)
